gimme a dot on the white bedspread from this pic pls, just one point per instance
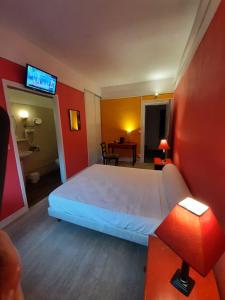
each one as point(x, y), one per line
point(126, 198)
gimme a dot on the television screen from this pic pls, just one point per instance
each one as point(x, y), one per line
point(40, 80)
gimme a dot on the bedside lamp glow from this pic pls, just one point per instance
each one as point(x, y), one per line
point(163, 145)
point(192, 231)
point(23, 114)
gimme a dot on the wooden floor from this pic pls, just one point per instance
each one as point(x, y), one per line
point(68, 262)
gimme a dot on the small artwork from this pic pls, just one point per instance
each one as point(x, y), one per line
point(74, 116)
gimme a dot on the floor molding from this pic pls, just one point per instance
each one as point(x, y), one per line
point(14, 216)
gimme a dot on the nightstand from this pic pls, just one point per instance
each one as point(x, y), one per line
point(160, 163)
point(162, 263)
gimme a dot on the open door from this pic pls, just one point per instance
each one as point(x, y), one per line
point(10, 265)
point(4, 129)
point(156, 128)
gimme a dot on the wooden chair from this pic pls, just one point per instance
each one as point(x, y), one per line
point(107, 157)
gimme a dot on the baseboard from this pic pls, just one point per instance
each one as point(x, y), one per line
point(13, 217)
point(141, 158)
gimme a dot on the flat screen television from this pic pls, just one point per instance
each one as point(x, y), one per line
point(40, 80)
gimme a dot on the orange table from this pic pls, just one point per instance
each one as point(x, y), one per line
point(162, 263)
point(160, 163)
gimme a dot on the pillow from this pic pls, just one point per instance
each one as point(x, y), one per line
point(175, 188)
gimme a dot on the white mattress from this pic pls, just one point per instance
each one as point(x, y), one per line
point(124, 198)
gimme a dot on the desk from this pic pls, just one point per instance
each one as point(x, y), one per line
point(160, 163)
point(162, 263)
point(132, 146)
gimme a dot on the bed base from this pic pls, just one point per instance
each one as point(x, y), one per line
point(103, 227)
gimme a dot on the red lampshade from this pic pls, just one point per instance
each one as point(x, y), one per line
point(195, 236)
point(163, 145)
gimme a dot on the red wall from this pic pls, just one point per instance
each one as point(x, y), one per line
point(199, 129)
point(75, 144)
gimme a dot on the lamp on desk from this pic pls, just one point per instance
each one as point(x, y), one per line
point(163, 145)
point(191, 230)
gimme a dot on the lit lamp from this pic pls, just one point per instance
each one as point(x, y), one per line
point(156, 95)
point(163, 145)
point(128, 133)
point(191, 230)
point(23, 114)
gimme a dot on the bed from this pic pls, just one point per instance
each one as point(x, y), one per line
point(128, 203)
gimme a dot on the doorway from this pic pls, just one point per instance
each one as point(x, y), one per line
point(37, 141)
point(155, 126)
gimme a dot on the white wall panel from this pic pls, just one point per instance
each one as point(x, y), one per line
point(93, 124)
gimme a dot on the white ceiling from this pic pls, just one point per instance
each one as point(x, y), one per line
point(111, 42)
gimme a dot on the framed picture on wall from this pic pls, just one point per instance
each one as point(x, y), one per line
point(74, 117)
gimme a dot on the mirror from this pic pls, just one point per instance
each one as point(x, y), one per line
point(74, 116)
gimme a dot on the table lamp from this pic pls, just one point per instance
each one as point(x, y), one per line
point(163, 145)
point(192, 231)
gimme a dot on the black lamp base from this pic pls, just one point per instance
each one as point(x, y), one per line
point(185, 287)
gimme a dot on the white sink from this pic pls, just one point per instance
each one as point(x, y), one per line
point(24, 154)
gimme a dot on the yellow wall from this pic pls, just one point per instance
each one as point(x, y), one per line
point(122, 117)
